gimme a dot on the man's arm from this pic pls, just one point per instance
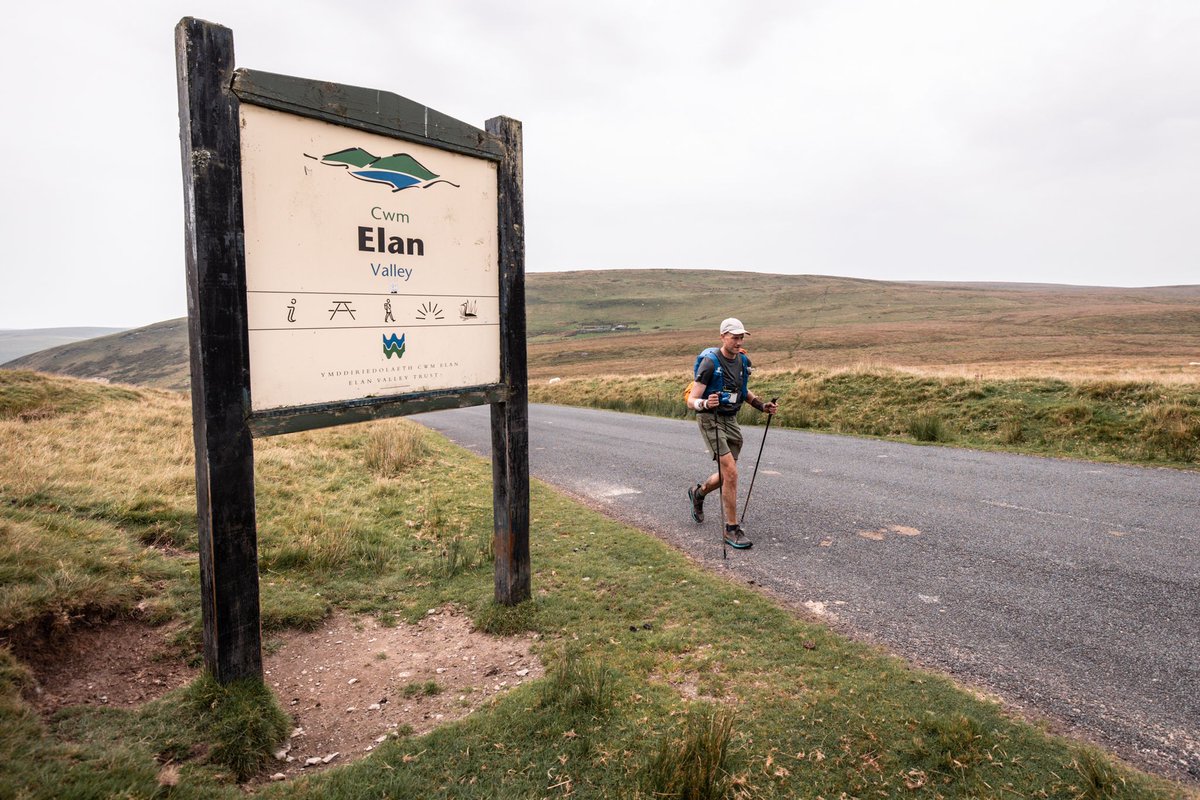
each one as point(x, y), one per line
point(697, 395)
point(757, 402)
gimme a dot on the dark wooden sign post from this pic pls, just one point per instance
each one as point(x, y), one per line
point(211, 93)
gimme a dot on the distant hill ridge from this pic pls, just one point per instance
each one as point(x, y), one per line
point(656, 316)
point(156, 355)
point(17, 343)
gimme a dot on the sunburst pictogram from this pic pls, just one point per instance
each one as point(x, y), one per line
point(429, 311)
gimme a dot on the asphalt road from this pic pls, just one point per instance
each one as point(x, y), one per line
point(1070, 589)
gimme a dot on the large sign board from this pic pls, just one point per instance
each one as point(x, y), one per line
point(371, 264)
point(351, 254)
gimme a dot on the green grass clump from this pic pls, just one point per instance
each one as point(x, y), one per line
point(241, 719)
point(501, 620)
point(950, 745)
point(417, 689)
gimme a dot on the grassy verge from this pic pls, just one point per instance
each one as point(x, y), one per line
point(1138, 422)
point(663, 680)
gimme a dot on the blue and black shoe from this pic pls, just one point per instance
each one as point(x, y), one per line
point(697, 498)
point(735, 537)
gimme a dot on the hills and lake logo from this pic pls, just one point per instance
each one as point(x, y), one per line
point(399, 170)
point(393, 346)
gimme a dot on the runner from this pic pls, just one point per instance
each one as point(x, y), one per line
point(720, 387)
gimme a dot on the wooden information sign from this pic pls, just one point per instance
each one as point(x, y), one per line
point(351, 255)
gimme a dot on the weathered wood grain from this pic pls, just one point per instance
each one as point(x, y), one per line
point(219, 350)
point(303, 418)
point(365, 109)
point(510, 419)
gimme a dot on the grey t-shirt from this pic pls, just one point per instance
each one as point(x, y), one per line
point(731, 370)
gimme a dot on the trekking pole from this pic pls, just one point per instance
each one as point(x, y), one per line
point(720, 486)
point(767, 430)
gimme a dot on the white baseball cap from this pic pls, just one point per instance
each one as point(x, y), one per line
point(734, 326)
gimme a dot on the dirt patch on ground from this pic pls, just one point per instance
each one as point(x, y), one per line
point(354, 683)
point(116, 664)
point(348, 685)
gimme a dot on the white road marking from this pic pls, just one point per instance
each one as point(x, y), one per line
point(1065, 516)
point(1032, 510)
point(608, 490)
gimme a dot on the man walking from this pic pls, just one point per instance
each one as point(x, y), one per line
point(720, 387)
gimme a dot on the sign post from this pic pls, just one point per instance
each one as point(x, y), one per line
point(351, 255)
point(510, 419)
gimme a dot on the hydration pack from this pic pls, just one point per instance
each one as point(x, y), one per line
point(717, 383)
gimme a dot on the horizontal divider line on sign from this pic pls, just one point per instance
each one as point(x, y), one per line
point(376, 327)
point(373, 294)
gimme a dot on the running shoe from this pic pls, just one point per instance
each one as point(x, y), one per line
point(735, 537)
point(697, 499)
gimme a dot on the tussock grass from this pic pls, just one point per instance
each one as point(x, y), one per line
point(691, 762)
point(394, 446)
point(1171, 432)
point(649, 657)
point(928, 428)
point(1011, 431)
point(1100, 780)
point(461, 554)
point(577, 683)
point(1138, 422)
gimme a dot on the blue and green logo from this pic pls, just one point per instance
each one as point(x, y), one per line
point(393, 346)
point(400, 170)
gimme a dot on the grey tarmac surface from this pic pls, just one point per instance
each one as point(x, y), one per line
point(1070, 589)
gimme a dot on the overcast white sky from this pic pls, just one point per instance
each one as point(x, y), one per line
point(990, 140)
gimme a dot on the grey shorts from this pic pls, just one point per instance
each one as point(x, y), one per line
point(721, 433)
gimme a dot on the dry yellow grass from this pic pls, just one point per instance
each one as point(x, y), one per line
point(395, 445)
point(970, 350)
point(105, 457)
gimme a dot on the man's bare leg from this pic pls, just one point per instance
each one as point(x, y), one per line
point(728, 486)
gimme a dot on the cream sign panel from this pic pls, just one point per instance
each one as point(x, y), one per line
point(370, 264)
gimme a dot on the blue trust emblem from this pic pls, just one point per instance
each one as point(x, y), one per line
point(393, 346)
